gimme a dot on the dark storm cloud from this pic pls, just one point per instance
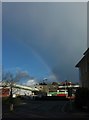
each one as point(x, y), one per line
point(56, 31)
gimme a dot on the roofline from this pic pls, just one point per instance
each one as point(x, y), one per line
point(85, 53)
point(77, 65)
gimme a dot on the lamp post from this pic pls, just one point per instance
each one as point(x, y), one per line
point(66, 85)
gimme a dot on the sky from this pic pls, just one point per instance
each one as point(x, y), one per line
point(88, 24)
point(44, 39)
point(0, 41)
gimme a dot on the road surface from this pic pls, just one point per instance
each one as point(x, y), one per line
point(45, 109)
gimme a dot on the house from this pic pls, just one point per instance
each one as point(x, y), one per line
point(83, 66)
point(46, 88)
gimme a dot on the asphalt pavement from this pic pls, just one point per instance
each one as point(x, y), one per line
point(45, 109)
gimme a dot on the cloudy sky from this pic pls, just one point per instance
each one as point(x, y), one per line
point(44, 39)
point(0, 32)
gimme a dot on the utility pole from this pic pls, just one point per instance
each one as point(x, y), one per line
point(70, 96)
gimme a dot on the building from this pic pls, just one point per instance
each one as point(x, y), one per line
point(4, 92)
point(83, 66)
point(47, 88)
point(53, 89)
point(17, 90)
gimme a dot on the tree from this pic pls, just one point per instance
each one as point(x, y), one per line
point(10, 79)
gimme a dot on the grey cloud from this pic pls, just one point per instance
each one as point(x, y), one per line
point(56, 31)
point(88, 24)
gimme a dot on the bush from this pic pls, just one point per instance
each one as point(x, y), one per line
point(81, 98)
point(7, 101)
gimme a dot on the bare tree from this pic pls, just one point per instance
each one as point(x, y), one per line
point(9, 79)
